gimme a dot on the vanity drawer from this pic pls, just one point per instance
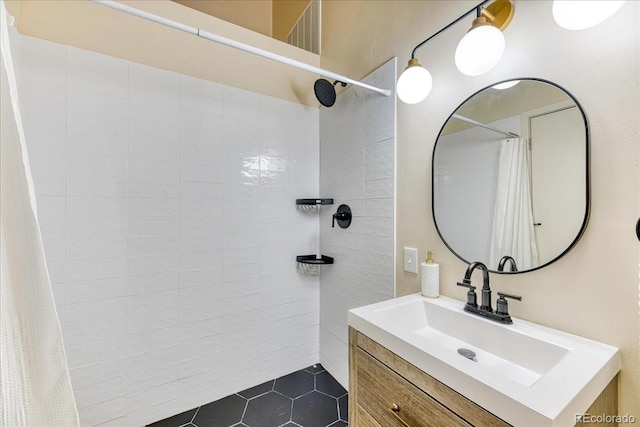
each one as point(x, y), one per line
point(379, 389)
point(441, 397)
point(365, 419)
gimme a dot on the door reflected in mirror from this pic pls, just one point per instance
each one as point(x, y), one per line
point(510, 176)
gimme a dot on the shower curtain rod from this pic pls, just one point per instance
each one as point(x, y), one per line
point(474, 122)
point(237, 45)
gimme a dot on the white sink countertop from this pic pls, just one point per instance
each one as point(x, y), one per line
point(525, 373)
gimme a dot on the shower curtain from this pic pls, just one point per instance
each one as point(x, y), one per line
point(35, 389)
point(512, 232)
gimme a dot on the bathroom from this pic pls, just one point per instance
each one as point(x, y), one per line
point(277, 317)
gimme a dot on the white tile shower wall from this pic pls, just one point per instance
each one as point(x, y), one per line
point(170, 229)
point(357, 168)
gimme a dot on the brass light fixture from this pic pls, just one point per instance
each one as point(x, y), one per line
point(483, 45)
point(478, 51)
point(414, 83)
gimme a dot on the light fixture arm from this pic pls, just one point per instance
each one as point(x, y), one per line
point(483, 11)
point(477, 9)
point(479, 50)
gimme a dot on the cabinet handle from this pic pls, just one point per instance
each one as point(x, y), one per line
point(394, 410)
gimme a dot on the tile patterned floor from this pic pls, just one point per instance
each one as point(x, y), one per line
point(310, 397)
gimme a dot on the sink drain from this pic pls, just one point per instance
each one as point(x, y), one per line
point(469, 354)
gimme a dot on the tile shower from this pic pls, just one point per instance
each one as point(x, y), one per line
point(357, 167)
point(167, 210)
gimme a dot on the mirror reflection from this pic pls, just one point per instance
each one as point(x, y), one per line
point(510, 176)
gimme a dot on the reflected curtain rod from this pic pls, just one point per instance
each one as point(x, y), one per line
point(236, 45)
point(474, 122)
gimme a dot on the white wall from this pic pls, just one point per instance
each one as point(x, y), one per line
point(170, 229)
point(558, 175)
point(357, 158)
point(592, 291)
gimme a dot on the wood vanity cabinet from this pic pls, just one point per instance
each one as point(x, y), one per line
point(387, 391)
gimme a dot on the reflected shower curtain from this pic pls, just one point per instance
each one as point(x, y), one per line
point(35, 389)
point(513, 233)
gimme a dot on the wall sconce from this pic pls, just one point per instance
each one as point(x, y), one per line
point(478, 51)
point(579, 15)
point(414, 83)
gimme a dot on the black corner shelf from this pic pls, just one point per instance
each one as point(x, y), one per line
point(314, 202)
point(311, 259)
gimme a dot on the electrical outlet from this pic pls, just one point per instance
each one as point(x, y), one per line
point(411, 260)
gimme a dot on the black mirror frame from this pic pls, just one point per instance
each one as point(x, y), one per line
point(587, 176)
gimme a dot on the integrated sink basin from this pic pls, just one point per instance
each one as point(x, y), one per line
point(525, 373)
point(500, 351)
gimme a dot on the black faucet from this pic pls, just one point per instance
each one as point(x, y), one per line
point(504, 260)
point(502, 312)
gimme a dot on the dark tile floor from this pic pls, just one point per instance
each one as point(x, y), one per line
point(310, 397)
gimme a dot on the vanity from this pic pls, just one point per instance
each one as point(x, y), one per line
point(517, 152)
point(405, 369)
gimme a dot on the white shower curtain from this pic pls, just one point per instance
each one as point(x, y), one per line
point(513, 233)
point(35, 389)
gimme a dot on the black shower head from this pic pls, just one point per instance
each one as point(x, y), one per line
point(326, 92)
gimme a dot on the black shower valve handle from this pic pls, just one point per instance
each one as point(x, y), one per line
point(343, 215)
point(340, 216)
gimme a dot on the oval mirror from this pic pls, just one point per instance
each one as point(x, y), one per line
point(510, 176)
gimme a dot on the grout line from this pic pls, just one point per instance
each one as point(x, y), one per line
point(246, 405)
point(302, 395)
point(195, 414)
point(326, 394)
point(256, 396)
point(291, 416)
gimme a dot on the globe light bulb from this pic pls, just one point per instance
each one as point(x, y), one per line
point(414, 83)
point(480, 49)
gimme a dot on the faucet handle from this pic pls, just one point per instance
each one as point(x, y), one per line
point(502, 307)
point(467, 284)
point(472, 300)
point(505, 295)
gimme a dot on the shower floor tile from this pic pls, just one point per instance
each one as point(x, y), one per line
point(310, 397)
